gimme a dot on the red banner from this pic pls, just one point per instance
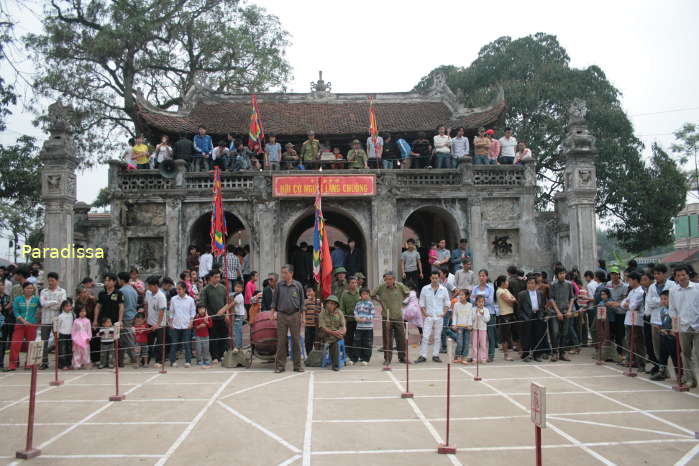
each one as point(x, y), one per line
point(330, 186)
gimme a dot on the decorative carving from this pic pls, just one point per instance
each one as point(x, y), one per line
point(146, 215)
point(320, 86)
point(578, 137)
point(508, 176)
point(146, 254)
point(585, 176)
point(53, 182)
point(502, 247)
point(501, 209)
point(59, 117)
point(577, 112)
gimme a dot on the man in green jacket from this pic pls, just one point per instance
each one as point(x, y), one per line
point(390, 295)
point(310, 152)
point(356, 157)
point(348, 300)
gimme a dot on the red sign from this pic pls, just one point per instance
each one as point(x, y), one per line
point(331, 185)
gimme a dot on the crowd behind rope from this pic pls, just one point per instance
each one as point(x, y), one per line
point(446, 149)
point(631, 317)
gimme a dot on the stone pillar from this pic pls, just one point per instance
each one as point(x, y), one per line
point(175, 243)
point(58, 194)
point(478, 237)
point(267, 255)
point(580, 188)
point(383, 249)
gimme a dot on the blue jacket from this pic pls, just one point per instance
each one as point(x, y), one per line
point(404, 147)
point(203, 144)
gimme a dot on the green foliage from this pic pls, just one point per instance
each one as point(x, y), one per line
point(102, 199)
point(539, 86)
point(100, 55)
point(8, 96)
point(687, 147)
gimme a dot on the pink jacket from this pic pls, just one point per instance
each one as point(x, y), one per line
point(411, 309)
point(81, 332)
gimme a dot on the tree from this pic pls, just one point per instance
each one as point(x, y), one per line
point(539, 86)
point(102, 199)
point(8, 96)
point(687, 146)
point(20, 190)
point(100, 55)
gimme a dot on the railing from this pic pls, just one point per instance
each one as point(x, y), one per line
point(481, 175)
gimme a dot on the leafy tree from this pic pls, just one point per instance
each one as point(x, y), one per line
point(687, 146)
point(102, 199)
point(100, 55)
point(8, 96)
point(539, 86)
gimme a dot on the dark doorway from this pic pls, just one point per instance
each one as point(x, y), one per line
point(199, 235)
point(427, 225)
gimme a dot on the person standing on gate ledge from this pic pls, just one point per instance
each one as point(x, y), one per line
point(310, 152)
point(202, 150)
point(390, 294)
point(348, 301)
point(50, 299)
point(356, 157)
point(331, 323)
point(287, 308)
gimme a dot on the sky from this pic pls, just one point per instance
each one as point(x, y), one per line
point(646, 48)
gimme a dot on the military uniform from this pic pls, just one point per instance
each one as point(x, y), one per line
point(391, 310)
point(348, 300)
point(334, 320)
point(310, 152)
point(357, 158)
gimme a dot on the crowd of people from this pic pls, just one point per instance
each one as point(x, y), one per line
point(446, 149)
point(632, 317)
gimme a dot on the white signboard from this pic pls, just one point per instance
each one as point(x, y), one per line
point(538, 405)
point(35, 352)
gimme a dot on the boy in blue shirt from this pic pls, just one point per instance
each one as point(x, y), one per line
point(364, 313)
point(203, 146)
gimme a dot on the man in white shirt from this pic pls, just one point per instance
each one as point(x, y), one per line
point(156, 318)
point(684, 310)
point(652, 307)
point(180, 319)
point(633, 322)
point(442, 149)
point(434, 304)
point(50, 299)
point(206, 262)
point(508, 144)
point(459, 146)
point(374, 151)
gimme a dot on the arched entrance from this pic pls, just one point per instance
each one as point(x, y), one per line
point(199, 234)
point(339, 227)
point(430, 224)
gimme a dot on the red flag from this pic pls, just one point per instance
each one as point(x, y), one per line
point(218, 218)
point(373, 126)
point(256, 134)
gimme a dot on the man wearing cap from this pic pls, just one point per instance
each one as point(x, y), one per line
point(617, 292)
point(356, 157)
point(390, 295)
point(348, 300)
point(340, 283)
point(331, 323)
point(310, 151)
point(290, 157)
point(361, 280)
point(481, 146)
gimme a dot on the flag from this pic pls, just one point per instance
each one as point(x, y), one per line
point(373, 126)
point(256, 134)
point(218, 218)
point(322, 262)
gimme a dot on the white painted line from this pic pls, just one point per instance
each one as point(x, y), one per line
point(47, 389)
point(616, 426)
point(373, 452)
point(621, 403)
point(362, 421)
point(98, 456)
point(560, 432)
point(428, 425)
point(89, 416)
point(149, 400)
point(255, 387)
point(291, 460)
point(688, 456)
point(262, 429)
point(308, 428)
point(135, 423)
point(183, 436)
point(654, 382)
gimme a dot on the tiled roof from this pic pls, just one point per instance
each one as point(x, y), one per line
point(680, 255)
point(325, 118)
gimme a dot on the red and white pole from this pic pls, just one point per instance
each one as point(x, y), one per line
point(55, 382)
point(445, 449)
point(29, 450)
point(537, 438)
point(163, 370)
point(116, 396)
point(477, 331)
point(600, 339)
point(407, 393)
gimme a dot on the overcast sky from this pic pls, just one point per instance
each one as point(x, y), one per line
point(646, 48)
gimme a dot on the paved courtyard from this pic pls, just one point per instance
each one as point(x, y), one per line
point(356, 416)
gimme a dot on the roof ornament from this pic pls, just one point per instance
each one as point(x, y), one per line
point(320, 87)
point(578, 137)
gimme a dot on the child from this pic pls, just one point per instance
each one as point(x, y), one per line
point(311, 318)
point(411, 307)
point(364, 313)
point(432, 255)
point(202, 324)
point(64, 327)
point(81, 334)
point(106, 334)
point(479, 332)
point(239, 314)
point(463, 317)
point(141, 331)
point(667, 339)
